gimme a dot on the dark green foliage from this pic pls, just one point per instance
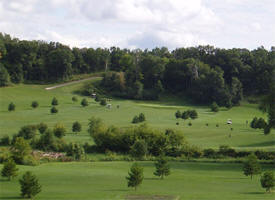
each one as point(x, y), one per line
point(30, 186)
point(97, 98)
point(178, 114)
point(59, 130)
point(75, 150)
point(54, 101)
point(135, 177)
point(135, 120)
point(217, 125)
point(49, 142)
point(251, 166)
point(74, 99)
point(28, 132)
point(34, 104)
point(190, 124)
point(268, 180)
point(54, 110)
point(139, 149)
point(9, 169)
point(76, 127)
point(20, 149)
point(214, 107)
point(162, 167)
point(193, 114)
point(5, 140)
point(103, 102)
point(185, 115)
point(96, 126)
point(11, 107)
point(4, 76)
point(258, 123)
point(84, 102)
point(42, 127)
point(141, 117)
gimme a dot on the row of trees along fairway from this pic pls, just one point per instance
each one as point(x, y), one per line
point(204, 73)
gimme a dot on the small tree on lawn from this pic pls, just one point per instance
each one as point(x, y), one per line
point(54, 110)
point(11, 106)
point(141, 117)
point(139, 149)
point(185, 115)
point(9, 169)
point(193, 114)
point(76, 127)
point(30, 186)
point(214, 107)
point(162, 167)
point(135, 177)
point(268, 180)
point(135, 120)
point(42, 127)
point(59, 130)
point(178, 114)
point(251, 166)
point(74, 99)
point(34, 104)
point(84, 102)
point(54, 101)
point(103, 102)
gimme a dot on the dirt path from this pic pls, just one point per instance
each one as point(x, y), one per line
point(70, 83)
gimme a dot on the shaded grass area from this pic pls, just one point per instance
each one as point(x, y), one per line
point(159, 114)
point(106, 180)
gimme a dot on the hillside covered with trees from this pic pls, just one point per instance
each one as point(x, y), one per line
point(204, 73)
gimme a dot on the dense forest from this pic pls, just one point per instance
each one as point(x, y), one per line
point(204, 73)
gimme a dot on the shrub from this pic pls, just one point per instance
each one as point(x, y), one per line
point(5, 140)
point(76, 127)
point(20, 149)
point(54, 110)
point(206, 124)
point(54, 101)
point(189, 124)
point(185, 115)
point(139, 149)
point(209, 153)
point(268, 180)
point(84, 102)
point(141, 117)
point(34, 104)
point(103, 102)
point(42, 127)
point(217, 125)
point(74, 99)
point(11, 106)
point(75, 150)
point(193, 114)
point(178, 114)
point(27, 132)
point(135, 120)
point(97, 98)
point(59, 130)
point(214, 107)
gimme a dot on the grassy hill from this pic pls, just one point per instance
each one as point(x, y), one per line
point(106, 180)
point(159, 114)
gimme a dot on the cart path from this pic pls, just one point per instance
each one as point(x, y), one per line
point(71, 83)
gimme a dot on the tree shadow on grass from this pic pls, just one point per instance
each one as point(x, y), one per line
point(116, 190)
point(18, 197)
point(268, 143)
point(257, 193)
point(152, 179)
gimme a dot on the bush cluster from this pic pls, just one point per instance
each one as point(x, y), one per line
point(192, 114)
point(139, 118)
point(258, 123)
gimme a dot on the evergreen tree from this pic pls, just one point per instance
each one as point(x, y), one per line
point(268, 181)
point(251, 166)
point(84, 102)
point(29, 185)
point(54, 101)
point(76, 127)
point(135, 177)
point(162, 167)
point(141, 117)
point(54, 110)
point(9, 169)
point(74, 99)
point(11, 106)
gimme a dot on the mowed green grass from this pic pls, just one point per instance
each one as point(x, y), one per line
point(159, 115)
point(106, 180)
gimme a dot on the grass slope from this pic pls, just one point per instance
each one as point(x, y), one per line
point(159, 114)
point(106, 180)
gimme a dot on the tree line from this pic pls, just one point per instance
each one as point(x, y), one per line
point(205, 73)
